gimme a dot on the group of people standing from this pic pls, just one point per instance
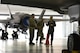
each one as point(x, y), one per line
point(39, 26)
point(36, 24)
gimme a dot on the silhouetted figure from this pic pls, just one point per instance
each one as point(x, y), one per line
point(15, 35)
point(51, 23)
point(4, 35)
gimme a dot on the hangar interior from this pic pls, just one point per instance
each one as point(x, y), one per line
point(21, 45)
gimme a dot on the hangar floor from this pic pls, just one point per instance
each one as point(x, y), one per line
point(22, 46)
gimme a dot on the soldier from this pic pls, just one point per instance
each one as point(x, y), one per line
point(51, 23)
point(32, 26)
point(40, 25)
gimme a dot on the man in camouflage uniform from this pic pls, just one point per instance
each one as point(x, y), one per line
point(40, 25)
point(32, 26)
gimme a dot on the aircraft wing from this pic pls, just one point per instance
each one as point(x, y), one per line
point(56, 20)
point(4, 21)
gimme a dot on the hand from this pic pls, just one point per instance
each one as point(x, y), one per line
point(46, 24)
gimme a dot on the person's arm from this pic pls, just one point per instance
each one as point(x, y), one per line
point(54, 23)
point(47, 23)
point(35, 23)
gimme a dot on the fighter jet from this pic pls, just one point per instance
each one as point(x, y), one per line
point(20, 21)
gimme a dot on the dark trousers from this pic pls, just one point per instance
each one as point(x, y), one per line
point(51, 35)
point(31, 31)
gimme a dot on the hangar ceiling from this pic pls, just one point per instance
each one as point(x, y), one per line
point(24, 9)
point(56, 5)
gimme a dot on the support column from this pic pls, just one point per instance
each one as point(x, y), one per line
point(79, 26)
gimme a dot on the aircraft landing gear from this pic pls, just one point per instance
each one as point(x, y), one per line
point(73, 42)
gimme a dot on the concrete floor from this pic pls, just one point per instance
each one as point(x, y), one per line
point(22, 46)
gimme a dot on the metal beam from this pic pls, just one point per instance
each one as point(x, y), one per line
point(35, 15)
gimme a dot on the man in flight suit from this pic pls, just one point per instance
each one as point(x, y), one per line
point(51, 23)
point(32, 26)
point(40, 25)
